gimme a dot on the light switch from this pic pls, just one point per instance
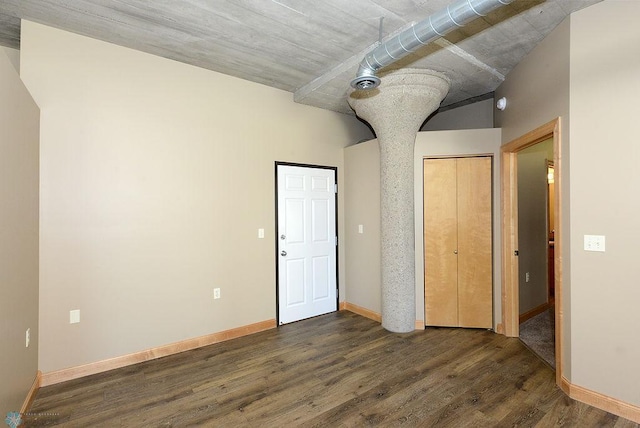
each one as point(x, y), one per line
point(594, 243)
point(74, 316)
point(360, 228)
point(261, 233)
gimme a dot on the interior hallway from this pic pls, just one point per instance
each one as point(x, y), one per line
point(538, 334)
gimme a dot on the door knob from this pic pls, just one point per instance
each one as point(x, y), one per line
point(283, 253)
point(455, 251)
point(283, 237)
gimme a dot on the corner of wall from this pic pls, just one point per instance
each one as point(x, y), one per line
point(14, 57)
point(19, 214)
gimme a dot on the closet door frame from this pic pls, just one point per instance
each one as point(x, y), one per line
point(442, 182)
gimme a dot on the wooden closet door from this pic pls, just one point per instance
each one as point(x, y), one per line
point(475, 273)
point(440, 240)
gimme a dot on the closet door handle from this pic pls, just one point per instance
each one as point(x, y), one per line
point(455, 251)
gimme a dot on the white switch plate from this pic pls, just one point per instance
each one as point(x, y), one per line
point(216, 293)
point(526, 277)
point(27, 338)
point(594, 243)
point(261, 233)
point(74, 316)
point(360, 228)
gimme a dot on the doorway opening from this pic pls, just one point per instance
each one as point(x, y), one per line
point(510, 234)
point(535, 246)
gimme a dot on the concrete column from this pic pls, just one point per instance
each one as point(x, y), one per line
point(396, 110)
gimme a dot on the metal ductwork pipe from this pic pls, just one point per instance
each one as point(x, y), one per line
point(424, 32)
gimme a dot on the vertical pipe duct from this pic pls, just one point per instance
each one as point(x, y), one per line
point(424, 32)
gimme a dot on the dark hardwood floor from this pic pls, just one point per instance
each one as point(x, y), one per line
point(338, 370)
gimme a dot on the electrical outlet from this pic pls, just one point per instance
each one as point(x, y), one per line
point(27, 338)
point(216, 293)
point(526, 277)
point(260, 233)
point(360, 228)
point(74, 316)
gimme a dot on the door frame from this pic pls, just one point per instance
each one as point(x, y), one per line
point(277, 233)
point(509, 202)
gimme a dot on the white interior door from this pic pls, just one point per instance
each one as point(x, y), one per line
point(307, 239)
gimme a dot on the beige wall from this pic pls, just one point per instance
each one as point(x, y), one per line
point(478, 115)
point(587, 68)
point(156, 176)
point(605, 89)
point(363, 207)
point(362, 198)
point(537, 91)
point(19, 133)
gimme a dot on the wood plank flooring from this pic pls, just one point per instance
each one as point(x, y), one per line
point(337, 370)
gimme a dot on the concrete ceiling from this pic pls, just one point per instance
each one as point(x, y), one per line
point(309, 48)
